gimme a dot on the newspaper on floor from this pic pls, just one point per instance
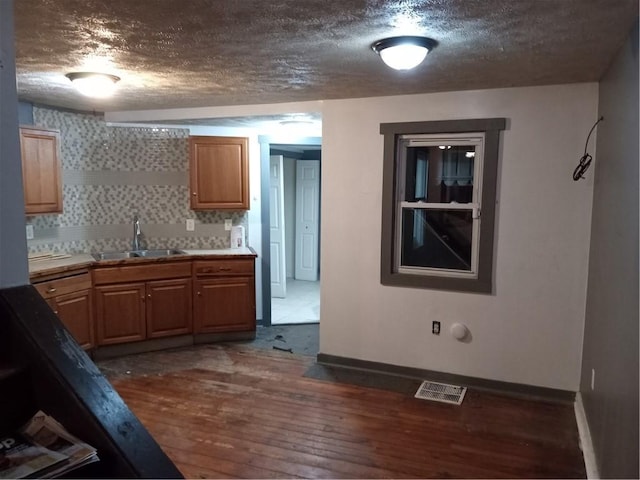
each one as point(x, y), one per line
point(20, 457)
point(47, 432)
point(42, 449)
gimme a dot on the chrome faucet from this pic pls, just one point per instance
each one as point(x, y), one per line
point(136, 233)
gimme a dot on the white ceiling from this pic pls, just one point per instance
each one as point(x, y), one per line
point(194, 53)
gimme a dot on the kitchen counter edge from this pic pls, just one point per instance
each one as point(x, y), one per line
point(44, 268)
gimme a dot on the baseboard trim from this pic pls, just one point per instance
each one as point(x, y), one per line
point(513, 389)
point(151, 345)
point(224, 337)
point(111, 351)
point(586, 443)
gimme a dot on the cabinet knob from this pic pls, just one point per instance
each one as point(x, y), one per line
point(149, 295)
point(194, 194)
point(199, 294)
point(55, 311)
point(51, 290)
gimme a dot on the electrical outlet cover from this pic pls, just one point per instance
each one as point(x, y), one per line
point(29, 232)
point(191, 225)
point(227, 224)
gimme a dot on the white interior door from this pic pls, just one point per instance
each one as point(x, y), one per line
point(307, 219)
point(276, 221)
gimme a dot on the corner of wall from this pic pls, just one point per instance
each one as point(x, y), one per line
point(586, 443)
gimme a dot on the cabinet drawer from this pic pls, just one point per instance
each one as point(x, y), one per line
point(223, 267)
point(62, 286)
point(141, 273)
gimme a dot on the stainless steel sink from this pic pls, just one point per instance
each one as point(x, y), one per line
point(157, 253)
point(114, 255)
point(137, 254)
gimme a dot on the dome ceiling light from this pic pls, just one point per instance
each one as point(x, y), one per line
point(94, 84)
point(405, 52)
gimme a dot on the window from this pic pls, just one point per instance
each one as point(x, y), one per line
point(439, 190)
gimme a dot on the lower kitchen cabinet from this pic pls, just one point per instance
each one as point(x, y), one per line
point(225, 305)
point(137, 311)
point(120, 313)
point(69, 296)
point(74, 309)
point(140, 302)
point(225, 299)
point(169, 307)
point(137, 301)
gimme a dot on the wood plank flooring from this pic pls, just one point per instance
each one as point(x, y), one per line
point(232, 411)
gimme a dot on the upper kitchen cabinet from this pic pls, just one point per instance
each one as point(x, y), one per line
point(41, 172)
point(219, 173)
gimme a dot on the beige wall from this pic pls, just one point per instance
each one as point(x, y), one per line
point(530, 330)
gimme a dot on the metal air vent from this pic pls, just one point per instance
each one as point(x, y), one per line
point(441, 392)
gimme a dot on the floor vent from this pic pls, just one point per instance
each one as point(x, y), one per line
point(441, 392)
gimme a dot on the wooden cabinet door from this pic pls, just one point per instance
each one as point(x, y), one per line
point(75, 311)
point(169, 309)
point(225, 305)
point(219, 173)
point(41, 173)
point(120, 313)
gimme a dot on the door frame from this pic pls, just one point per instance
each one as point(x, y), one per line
point(265, 154)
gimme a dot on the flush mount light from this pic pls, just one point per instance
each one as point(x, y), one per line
point(286, 123)
point(93, 84)
point(403, 53)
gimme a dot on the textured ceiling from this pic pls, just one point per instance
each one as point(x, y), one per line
point(195, 53)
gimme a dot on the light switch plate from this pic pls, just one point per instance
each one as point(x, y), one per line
point(227, 224)
point(191, 225)
point(29, 232)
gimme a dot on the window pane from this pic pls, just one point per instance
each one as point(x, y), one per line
point(439, 174)
point(436, 238)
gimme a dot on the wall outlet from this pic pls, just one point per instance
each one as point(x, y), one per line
point(593, 379)
point(191, 225)
point(435, 327)
point(227, 224)
point(29, 232)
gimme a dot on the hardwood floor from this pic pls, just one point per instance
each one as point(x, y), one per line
point(232, 411)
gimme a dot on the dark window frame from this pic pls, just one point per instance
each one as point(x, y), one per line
point(483, 283)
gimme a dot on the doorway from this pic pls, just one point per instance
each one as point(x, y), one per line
point(293, 221)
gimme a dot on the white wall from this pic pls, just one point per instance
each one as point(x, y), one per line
point(530, 330)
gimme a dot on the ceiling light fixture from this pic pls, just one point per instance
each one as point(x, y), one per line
point(285, 123)
point(299, 127)
point(94, 84)
point(405, 52)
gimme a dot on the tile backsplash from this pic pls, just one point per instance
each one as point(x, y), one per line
point(110, 174)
